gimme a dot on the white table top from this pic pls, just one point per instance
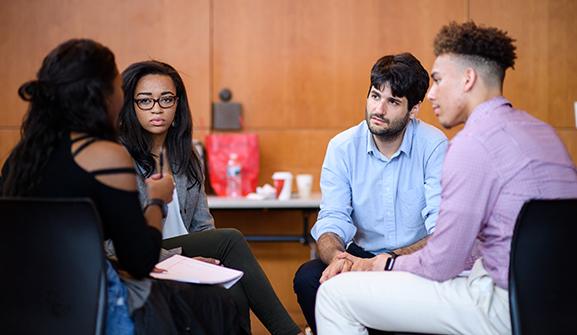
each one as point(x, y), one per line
point(216, 202)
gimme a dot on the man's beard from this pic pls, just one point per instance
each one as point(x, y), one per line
point(395, 129)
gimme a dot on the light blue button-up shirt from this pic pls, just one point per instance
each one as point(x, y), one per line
point(381, 203)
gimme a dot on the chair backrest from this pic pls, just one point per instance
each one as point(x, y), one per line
point(542, 273)
point(53, 278)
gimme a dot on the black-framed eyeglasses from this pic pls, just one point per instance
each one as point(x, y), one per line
point(166, 101)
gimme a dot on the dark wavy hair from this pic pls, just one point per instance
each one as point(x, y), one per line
point(70, 94)
point(404, 73)
point(178, 142)
point(484, 46)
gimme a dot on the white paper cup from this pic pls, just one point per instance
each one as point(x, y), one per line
point(304, 185)
point(283, 183)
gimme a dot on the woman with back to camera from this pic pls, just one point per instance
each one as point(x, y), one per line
point(68, 149)
point(156, 128)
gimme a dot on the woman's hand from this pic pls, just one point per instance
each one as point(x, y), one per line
point(160, 187)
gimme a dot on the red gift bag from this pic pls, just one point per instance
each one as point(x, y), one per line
point(218, 149)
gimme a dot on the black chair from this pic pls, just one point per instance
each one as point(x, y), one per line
point(53, 277)
point(542, 273)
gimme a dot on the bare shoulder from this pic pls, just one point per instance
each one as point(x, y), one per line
point(103, 155)
point(109, 156)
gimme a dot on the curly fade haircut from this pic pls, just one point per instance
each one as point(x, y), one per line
point(487, 45)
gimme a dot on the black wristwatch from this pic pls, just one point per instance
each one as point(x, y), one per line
point(390, 261)
point(160, 203)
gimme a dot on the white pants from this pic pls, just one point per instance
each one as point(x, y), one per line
point(401, 301)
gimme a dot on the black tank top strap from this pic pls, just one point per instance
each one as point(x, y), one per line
point(83, 145)
point(80, 138)
point(113, 171)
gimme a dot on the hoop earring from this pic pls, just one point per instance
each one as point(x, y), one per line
point(173, 124)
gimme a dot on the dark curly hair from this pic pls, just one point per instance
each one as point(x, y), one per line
point(487, 46)
point(404, 73)
point(70, 94)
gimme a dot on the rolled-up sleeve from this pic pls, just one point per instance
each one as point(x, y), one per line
point(336, 206)
point(469, 184)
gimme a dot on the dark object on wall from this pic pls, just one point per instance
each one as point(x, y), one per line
point(226, 115)
point(542, 291)
point(53, 276)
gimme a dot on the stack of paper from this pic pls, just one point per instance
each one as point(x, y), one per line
point(185, 269)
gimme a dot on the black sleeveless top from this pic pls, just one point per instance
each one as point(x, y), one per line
point(137, 245)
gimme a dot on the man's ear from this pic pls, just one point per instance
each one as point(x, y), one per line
point(470, 77)
point(413, 112)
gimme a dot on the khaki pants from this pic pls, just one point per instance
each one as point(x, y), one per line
point(401, 301)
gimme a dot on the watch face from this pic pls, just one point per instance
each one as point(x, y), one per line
point(389, 263)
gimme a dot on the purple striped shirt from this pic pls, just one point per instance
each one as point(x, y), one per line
point(502, 158)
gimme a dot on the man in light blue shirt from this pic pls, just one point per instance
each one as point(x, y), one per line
point(380, 180)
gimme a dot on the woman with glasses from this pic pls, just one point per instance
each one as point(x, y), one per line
point(156, 128)
point(68, 150)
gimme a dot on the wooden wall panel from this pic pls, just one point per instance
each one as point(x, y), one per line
point(176, 32)
point(298, 151)
point(562, 63)
point(301, 68)
point(543, 81)
point(305, 64)
point(8, 139)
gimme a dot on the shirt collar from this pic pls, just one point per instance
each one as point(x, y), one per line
point(406, 145)
point(371, 146)
point(485, 107)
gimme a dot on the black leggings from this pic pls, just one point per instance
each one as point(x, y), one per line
point(174, 308)
point(253, 290)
